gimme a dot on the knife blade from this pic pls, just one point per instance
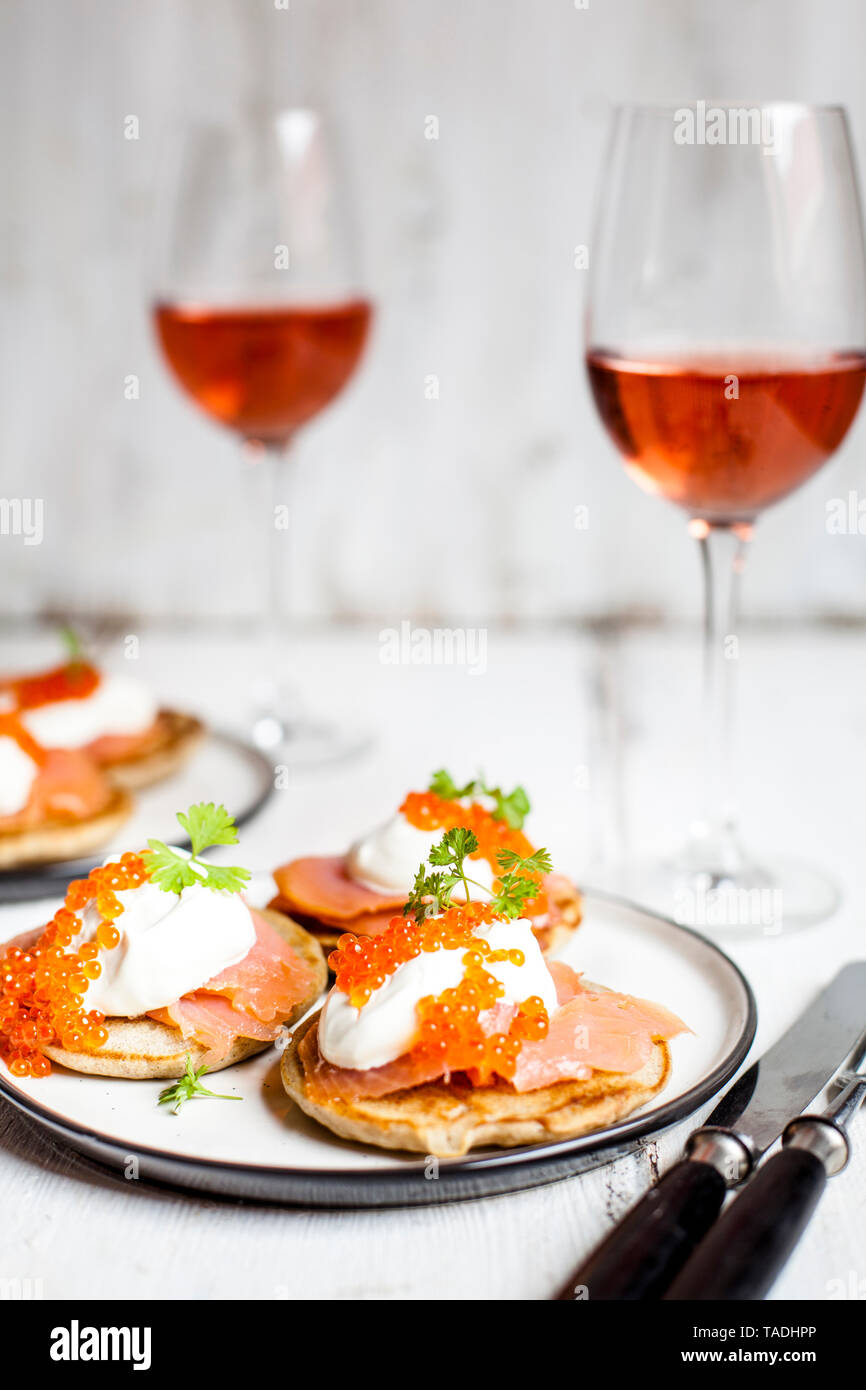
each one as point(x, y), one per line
point(759, 1105)
point(644, 1253)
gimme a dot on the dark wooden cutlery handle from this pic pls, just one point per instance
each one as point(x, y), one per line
point(647, 1249)
point(743, 1254)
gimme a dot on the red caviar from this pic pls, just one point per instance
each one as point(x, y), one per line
point(42, 987)
point(11, 727)
point(450, 1025)
point(428, 811)
point(73, 681)
point(361, 964)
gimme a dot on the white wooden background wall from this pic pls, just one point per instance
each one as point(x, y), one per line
point(148, 508)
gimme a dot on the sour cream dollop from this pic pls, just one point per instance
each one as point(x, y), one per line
point(387, 1025)
point(387, 859)
point(18, 772)
point(120, 706)
point(170, 944)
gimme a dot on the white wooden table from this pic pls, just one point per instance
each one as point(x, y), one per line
point(597, 731)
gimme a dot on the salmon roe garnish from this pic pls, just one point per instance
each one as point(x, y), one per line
point(11, 727)
point(361, 964)
point(429, 811)
point(42, 987)
point(455, 1027)
point(74, 680)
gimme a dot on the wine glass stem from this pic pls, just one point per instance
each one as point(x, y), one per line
point(280, 521)
point(270, 728)
point(723, 552)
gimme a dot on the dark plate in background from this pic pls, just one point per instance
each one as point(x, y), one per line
point(223, 768)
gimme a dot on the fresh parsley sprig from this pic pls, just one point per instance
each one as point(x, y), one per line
point(206, 825)
point(189, 1087)
point(443, 784)
point(431, 893)
point(73, 642)
point(517, 883)
point(455, 845)
point(76, 648)
point(511, 807)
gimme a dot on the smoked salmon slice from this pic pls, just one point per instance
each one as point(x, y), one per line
point(213, 1022)
point(567, 981)
point(319, 889)
point(112, 748)
point(318, 886)
point(270, 979)
point(601, 1031)
point(67, 786)
point(247, 1000)
point(592, 1030)
point(343, 1083)
point(371, 924)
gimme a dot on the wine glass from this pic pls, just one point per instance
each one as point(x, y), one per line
point(260, 313)
point(726, 333)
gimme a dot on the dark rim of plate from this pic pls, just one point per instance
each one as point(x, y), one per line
point(48, 879)
point(475, 1175)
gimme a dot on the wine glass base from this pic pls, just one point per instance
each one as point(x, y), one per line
point(282, 730)
point(774, 898)
point(305, 743)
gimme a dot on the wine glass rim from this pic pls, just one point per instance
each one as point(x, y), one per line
point(664, 107)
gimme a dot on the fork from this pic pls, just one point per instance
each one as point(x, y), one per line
point(754, 1237)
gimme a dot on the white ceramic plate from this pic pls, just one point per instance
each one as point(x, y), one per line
point(266, 1149)
point(223, 768)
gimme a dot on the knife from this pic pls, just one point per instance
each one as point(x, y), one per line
point(644, 1253)
point(751, 1242)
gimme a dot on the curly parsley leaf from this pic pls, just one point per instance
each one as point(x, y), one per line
point(510, 807)
point(518, 882)
point(454, 846)
point(208, 824)
point(172, 871)
point(76, 652)
point(430, 895)
point(513, 896)
point(188, 1088)
point(451, 851)
point(538, 863)
point(443, 784)
point(513, 808)
point(225, 879)
point(169, 870)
